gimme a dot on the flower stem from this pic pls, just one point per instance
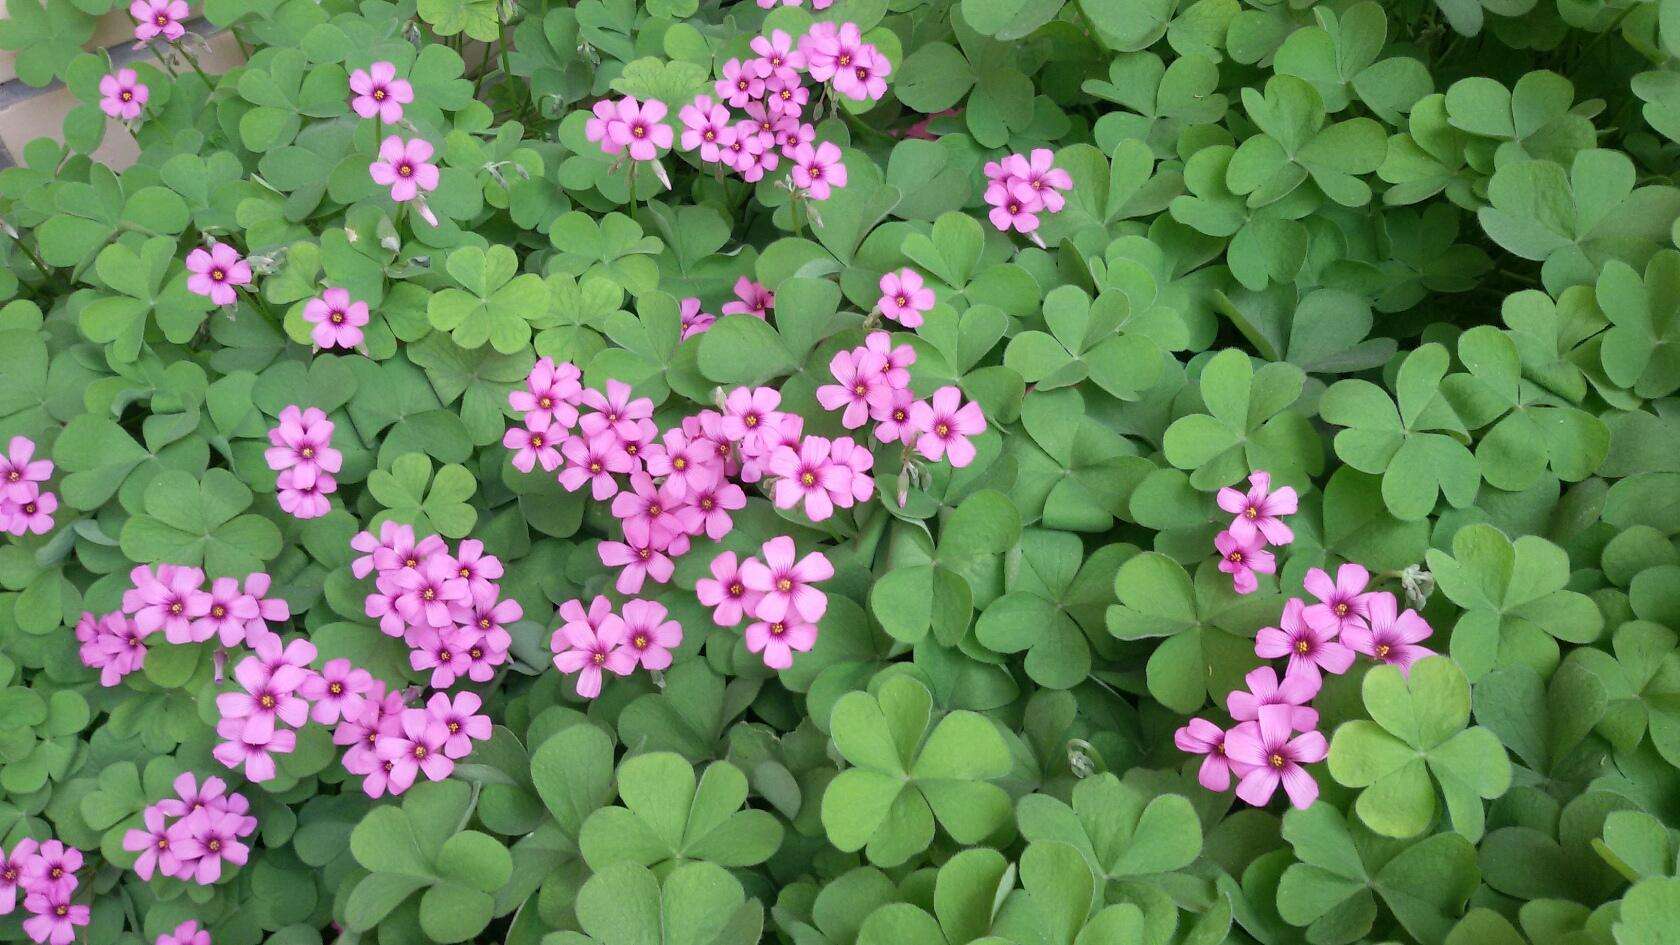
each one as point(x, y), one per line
point(192, 60)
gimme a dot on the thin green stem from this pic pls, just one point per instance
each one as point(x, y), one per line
point(193, 61)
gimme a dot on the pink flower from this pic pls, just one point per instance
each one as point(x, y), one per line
point(154, 18)
point(865, 77)
point(1260, 508)
point(1014, 207)
point(1201, 737)
point(337, 691)
point(689, 464)
point(52, 869)
point(593, 460)
point(651, 515)
point(11, 872)
point(478, 569)
point(535, 443)
point(53, 918)
point(404, 167)
point(211, 838)
point(1274, 758)
point(1386, 635)
point(748, 411)
point(20, 473)
point(816, 170)
point(693, 320)
point(157, 852)
point(777, 51)
point(904, 297)
point(216, 271)
point(254, 754)
point(187, 933)
point(403, 552)
point(304, 502)
point(602, 114)
point(428, 591)
point(705, 126)
point(225, 613)
point(752, 298)
point(112, 644)
point(122, 94)
point(552, 392)
point(590, 642)
point(896, 425)
point(270, 694)
point(649, 635)
point(461, 720)
point(640, 127)
point(829, 48)
point(338, 321)
point(1343, 603)
point(416, 749)
point(1042, 178)
point(898, 358)
point(616, 410)
point(1295, 691)
point(787, 97)
point(857, 461)
point(945, 425)
point(640, 561)
point(740, 84)
point(714, 505)
point(791, 133)
point(725, 591)
point(807, 476)
point(380, 92)
point(302, 442)
point(1242, 558)
point(778, 640)
point(1310, 647)
point(33, 515)
point(190, 796)
point(786, 585)
point(862, 387)
point(168, 601)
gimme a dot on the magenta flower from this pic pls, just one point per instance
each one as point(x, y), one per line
point(1014, 207)
point(1242, 557)
point(751, 298)
point(225, 613)
point(649, 635)
point(461, 721)
point(779, 55)
point(785, 585)
point(857, 461)
point(1386, 635)
point(191, 796)
point(1274, 758)
point(111, 644)
point(404, 167)
point(829, 48)
point(807, 476)
point(304, 501)
point(302, 442)
point(705, 126)
point(416, 749)
point(898, 358)
point(862, 387)
point(714, 505)
point(945, 425)
point(593, 460)
point(904, 297)
point(270, 693)
point(1201, 737)
point(11, 872)
point(741, 83)
point(788, 98)
point(380, 92)
point(791, 133)
point(595, 129)
point(896, 425)
point(216, 272)
point(157, 852)
point(640, 562)
point(689, 464)
point(778, 640)
point(32, 515)
point(122, 94)
point(816, 170)
point(338, 321)
point(640, 127)
point(725, 591)
point(652, 515)
point(168, 601)
point(536, 443)
point(617, 410)
point(1342, 603)
point(748, 411)
point(866, 76)
point(588, 643)
point(1261, 509)
point(337, 691)
point(1295, 691)
point(404, 552)
point(52, 869)
point(1037, 171)
point(551, 393)
point(21, 474)
point(187, 933)
point(53, 917)
point(154, 18)
point(1310, 647)
point(210, 838)
point(427, 592)
point(479, 570)
point(693, 320)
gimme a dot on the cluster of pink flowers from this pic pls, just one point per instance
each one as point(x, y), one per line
point(770, 90)
point(1276, 730)
point(122, 94)
point(1256, 522)
point(24, 507)
point(173, 598)
point(189, 836)
point(777, 594)
point(217, 272)
point(45, 873)
point(1021, 186)
point(751, 298)
point(595, 641)
point(391, 744)
point(301, 452)
point(338, 321)
point(377, 92)
point(404, 164)
point(154, 18)
point(255, 717)
point(873, 383)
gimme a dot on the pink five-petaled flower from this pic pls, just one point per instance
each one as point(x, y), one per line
point(255, 755)
point(904, 297)
point(1042, 177)
point(461, 719)
point(53, 917)
point(589, 642)
point(944, 426)
point(652, 515)
point(1242, 557)
point(1201, 737)
point(865, 77)
point(209, 838)
point(154, 18)
point(648, 634)
point(1388, 636)
point(551, 392)
point(1295, 691)
point(187, 933)
point(1309, 647)
point(157, 851)
point(404, 167)
point(714, 503)
point(617, 410)
point(169, 600)
point(428, 591)
point(778, 640)
point(269, 693)
point(216, 271)
point(380, 92)
point(537, 442)
point(785, 586)
point(725, 591)
point(640, 562)
point(751, 298)
point(640, 126)
point(110, 644)
point(593, 460)
point(122, 94)
point(817, 170)
point(32, 514)
point(862, 387)
point(705, 126)
point(807, 475)
point(11, 872)
point(693, 320)
point(1261, 508)
point(741, 82)
point(417, 748)
point(777, 51)
point(1014, 207)
point(302, 442)
point(337, 691)
point(748, 412)
point(338, 321)
point(1274, 758)
point(52, 869)
point(1342, 603)
point(225, 613)
point(20, 472)
point(479, 570)
point(689, 464)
